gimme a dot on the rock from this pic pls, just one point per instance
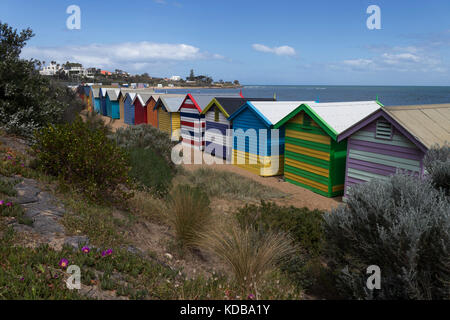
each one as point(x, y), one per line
point(45, 225)
point(76, 241)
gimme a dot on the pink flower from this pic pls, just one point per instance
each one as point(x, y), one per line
point(251, 296)
point(63, 263)
point(9, 204)
point(1, 202)
point(85, 250)
point(107, 252)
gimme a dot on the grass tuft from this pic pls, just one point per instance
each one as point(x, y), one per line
point(189, 214)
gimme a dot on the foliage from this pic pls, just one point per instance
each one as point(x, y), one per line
point(250, 254)
point(10, 209)
point(304, 267)
point(189, 214)
point(304, 225)
point(231, 185)
point(150, 170)
point(145, 136)
point(401, 225)
point(28, 101)
point(84, 158)
point(437, 164)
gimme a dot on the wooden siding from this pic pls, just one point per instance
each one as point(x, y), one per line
point(108, 107)
point(370, 157)
point(122, 107)
point(97, 105)
point(217, 139)
point(312, 159)
point(175, 118)
point(192, 125)
point(264, 166)
point(128, 111)
point(152, 115)
point(164, 123)
point(140, 112)
point(252, 154)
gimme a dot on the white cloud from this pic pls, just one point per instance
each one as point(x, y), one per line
point(121, 55)
point(280, 51)
point(402, 59)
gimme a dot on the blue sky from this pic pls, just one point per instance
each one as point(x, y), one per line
point(254, 41)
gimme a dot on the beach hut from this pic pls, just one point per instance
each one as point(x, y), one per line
point(128, 105)
point(167, 113)
point(152, 113)
point(122, 96)
point(140, 107)
point(218, 136)
point(102, 95)
point(394, 138)
point(96, 97)
point(192, 119)
point(314, 155)
point(256, 147)
point(112, 103)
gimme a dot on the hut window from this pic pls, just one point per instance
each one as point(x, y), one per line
point(216, 115)
point(383, 130)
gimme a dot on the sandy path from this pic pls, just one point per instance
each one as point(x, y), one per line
point(299, 197)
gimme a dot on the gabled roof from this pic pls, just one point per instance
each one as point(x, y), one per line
point(113, 94)
point(143, 98)
point(430, 124)
point(336, 117)
point(271, 112)
point(381, 113)
point(202, 100)
point(229, 105)
point(171, 102)
point(131, 95)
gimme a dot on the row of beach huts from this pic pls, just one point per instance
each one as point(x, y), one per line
point(325, 147)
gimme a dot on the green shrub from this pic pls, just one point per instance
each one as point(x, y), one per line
point(401, 225)
point(83, 158)
point(189, 214)
point(145, 136)
point(437, 164)
point(150, 170)
point(305, 226)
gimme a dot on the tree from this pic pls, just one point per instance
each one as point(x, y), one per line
point(28, 101)
point(191, 75)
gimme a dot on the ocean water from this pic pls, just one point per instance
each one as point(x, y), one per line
point(387, 95)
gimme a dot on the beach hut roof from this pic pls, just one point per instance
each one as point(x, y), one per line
point(113, 94)
point(132, 95)
point(96, 92)
point(430, 124)
point(336, 117)
point(143, 98)
point(229, 105)
point(202, 100)
point(271, 112)
point(172, 104)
